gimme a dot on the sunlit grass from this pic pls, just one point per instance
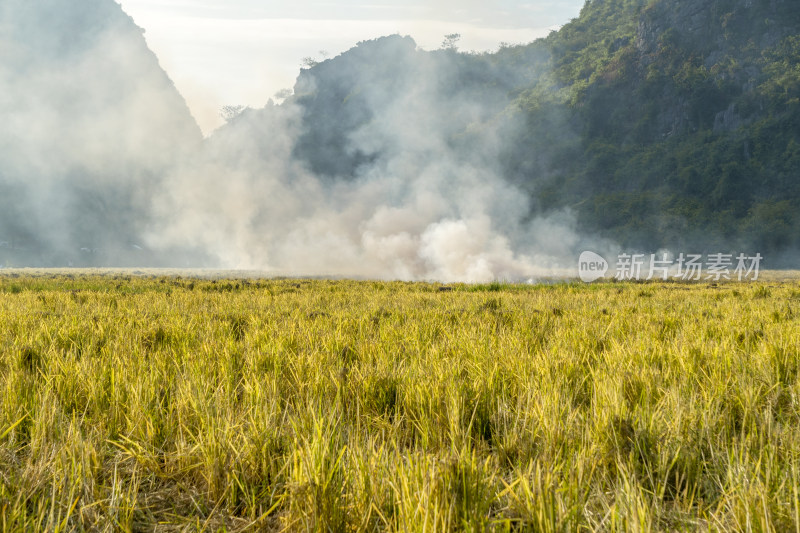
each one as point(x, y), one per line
point(135, 403)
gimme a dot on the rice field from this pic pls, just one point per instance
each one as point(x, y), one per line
point(167, 403)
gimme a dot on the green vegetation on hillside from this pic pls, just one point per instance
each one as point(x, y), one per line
point(653, 123)
point(687, 120)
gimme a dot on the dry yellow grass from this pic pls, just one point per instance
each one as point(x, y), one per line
point(136, 403)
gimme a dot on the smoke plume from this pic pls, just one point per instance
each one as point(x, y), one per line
point(408, 192)
point(385, 163)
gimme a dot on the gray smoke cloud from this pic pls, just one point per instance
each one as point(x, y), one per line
point(386, 163)
point(423, 206)
point(90, 125)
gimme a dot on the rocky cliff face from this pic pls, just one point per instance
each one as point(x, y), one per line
point(715, 26)
point(722, 41)
point(91, 124)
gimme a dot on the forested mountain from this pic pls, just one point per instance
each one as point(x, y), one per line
point(657, 123)
point(687, 117)
point(641, 124)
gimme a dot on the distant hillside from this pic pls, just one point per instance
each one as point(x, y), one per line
point(656, 123)
point(641, 124)
point(90, 125)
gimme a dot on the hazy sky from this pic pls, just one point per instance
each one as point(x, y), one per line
point(244, 51)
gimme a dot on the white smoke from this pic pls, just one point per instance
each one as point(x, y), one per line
point(90, 126)
point(420, 210)
point(93, 129)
